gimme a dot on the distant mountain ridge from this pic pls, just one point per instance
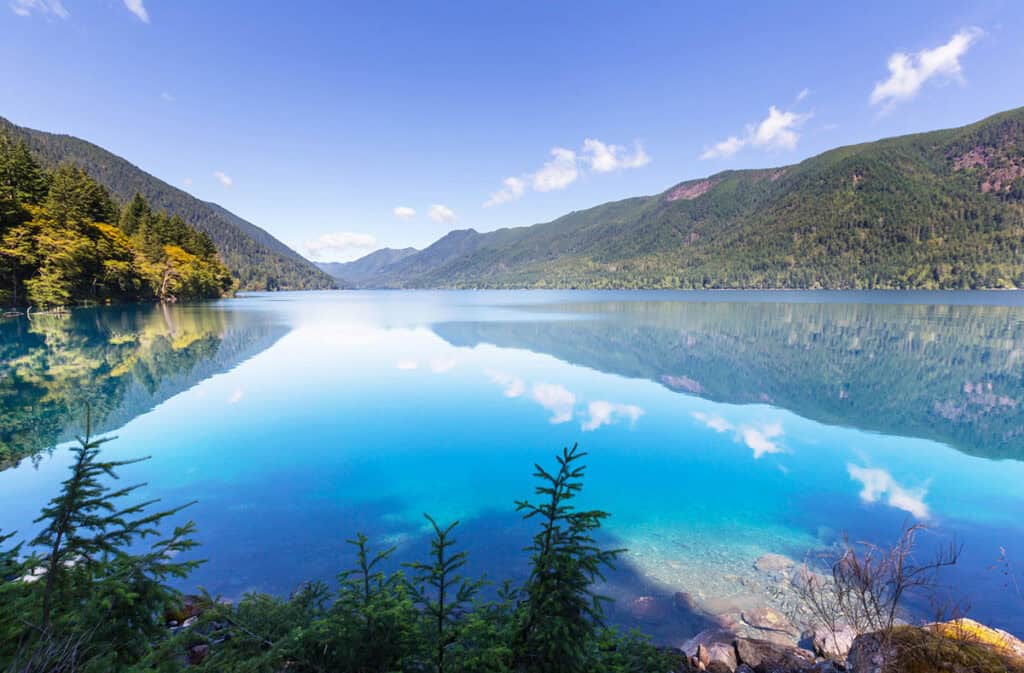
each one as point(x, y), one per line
point(937, 210)
point(255, 258)
point(366, 267)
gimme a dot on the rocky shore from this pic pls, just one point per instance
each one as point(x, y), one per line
point(747, 635)
point(959, 646)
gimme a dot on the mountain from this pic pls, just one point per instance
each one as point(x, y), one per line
point(943, 209)
point(257, 259)
point(365, 267)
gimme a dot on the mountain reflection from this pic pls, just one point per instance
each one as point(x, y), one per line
point(117, 362)
point(953, 374)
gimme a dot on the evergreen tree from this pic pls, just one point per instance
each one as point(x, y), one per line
point(562, 614)
point(91, 596)
point(443, 594)
point(134, 212)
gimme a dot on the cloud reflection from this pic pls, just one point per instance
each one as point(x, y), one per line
point(602, 412)
point(556, 399)
point(878, 484)
point(513, 385)
point(761, 438)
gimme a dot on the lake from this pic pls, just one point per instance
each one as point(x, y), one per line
point(720, 427)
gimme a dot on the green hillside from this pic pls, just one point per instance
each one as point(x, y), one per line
point(934, 210)
point(256, 259)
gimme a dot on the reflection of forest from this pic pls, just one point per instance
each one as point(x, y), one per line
point(120, 362)
point(954, 374)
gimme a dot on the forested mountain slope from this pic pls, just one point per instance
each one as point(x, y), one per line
point(943, 209)
point(256, 259)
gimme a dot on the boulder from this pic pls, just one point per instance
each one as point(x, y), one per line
point(197, 654)
point(712, 647)
point(868, 654)
point(835, 644)
point(765, 656)
point(968, 630)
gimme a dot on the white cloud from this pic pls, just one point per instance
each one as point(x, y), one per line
point(724, 149)
point(404, 212)
point(804, 93)
point(407, 365)
point(556, 399)
point(442, 365)
point(167, 97)
point(137, 8)
point(45, 7)
point(513, 385)
point(512, 188)
point(565, 166)
point(602, 412)
point(558, 173)
point(909, 72)
point(341, 244)
point(761, 439)
point(441, 213)
point(187, 182)
point(777, 131)
point(223, 178)
point(604, 158)
point(236, 396)
point(877, 483)
point(716, 423)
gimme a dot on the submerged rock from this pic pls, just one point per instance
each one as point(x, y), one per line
point(773, 563)
point(768, 619)
point(649, 609)
point(685, 602)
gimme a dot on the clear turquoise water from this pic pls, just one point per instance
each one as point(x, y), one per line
point(720, 426)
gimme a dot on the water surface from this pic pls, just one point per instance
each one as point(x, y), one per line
point(720, 427)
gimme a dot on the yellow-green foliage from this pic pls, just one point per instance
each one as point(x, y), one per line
point(64, 241)
point(962, 646)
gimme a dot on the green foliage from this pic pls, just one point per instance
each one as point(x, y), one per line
point(442, 594)
point(562, 615)
point(59, 247)
point(85, 598)
point(256, 260)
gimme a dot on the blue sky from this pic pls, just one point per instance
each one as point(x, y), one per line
point(317, 121)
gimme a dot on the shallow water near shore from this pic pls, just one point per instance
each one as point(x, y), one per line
point(719, 426)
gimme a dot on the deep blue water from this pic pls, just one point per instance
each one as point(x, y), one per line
point(720, 426)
